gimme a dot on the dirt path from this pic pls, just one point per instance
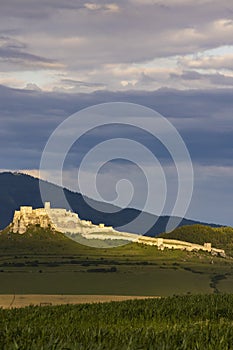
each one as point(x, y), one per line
point(20, 300)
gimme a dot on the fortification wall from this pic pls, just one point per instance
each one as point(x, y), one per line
point(162, 243)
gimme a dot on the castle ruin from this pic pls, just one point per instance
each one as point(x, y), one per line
point(55, 218)
point(70, 224)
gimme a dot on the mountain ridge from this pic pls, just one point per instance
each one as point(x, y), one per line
point(17, 189)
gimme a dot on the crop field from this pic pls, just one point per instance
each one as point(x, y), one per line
point(175, 323)
point(8, 301)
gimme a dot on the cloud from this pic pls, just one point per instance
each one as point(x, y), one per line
point(28, 117)
point(47, 8)
point(170, 2)
point(112, 7)
point(13, 51)
point(106, 7)
point(209, 62)
point(76, 86)
point(213, 79)
point(164, 33)
point(33, 87)
point(92, 6)
point(72, 82)
point(97, 41)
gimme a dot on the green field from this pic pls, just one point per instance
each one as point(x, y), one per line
point(127, 281)
point(174, 323)
point(45, 262)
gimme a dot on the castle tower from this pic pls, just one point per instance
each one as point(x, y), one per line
point(47, 205)
point(207, 246)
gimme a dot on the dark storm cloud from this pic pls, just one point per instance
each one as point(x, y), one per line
point(204, 119)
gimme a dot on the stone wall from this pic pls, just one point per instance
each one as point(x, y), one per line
point(162, 243)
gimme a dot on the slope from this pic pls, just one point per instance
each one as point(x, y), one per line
point(20, 189)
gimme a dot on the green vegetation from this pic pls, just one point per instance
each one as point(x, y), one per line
point(221, 237)
point(45, 242)
point(37, 241)
point(47, 262)
point(127, 280)
point(176, 323)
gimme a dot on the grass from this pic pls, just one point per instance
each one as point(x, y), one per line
point(220, 237)
point(175, 323)
point(47, 262)
point(40, 242)
point(126, 281)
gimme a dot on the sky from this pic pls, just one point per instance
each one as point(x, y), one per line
point(174, 56)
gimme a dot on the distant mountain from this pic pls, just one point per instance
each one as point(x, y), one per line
point(20, 189)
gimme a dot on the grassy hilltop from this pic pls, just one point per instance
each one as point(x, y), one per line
point(220, 237)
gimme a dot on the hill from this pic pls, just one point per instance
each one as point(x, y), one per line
point(220, 237)
point(46, 262)
point(20, 189)
point(41, 241)
point(37, 241)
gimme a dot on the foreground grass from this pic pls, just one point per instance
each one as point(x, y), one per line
point(176, 323)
